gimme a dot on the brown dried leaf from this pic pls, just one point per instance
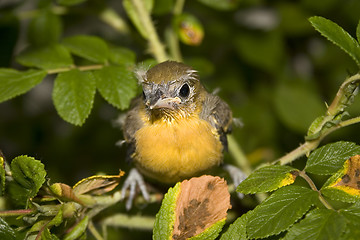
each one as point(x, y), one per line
point(350, 181)
point(98, 184)
point(202, 202)
point(64, 192)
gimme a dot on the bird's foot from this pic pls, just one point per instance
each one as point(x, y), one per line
point(133, 180)
point(236, 175)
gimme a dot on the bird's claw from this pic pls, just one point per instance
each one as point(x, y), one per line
point(236, 175)
point(134, 179)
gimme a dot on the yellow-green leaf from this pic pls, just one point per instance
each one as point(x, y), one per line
point(344, 185)
point(267, 179)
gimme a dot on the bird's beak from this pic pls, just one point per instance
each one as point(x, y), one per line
point(167, 102)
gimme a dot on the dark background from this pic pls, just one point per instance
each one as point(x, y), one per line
point(275, 71)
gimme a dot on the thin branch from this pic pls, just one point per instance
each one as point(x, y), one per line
point(81, 68)
point(313, 187)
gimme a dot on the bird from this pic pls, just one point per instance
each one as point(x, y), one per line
point(176, 129)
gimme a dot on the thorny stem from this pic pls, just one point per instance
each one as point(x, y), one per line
point(332, 111)
point(313, 187)
point(156, 47)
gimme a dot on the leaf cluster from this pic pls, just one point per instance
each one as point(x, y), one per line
point(50, 211)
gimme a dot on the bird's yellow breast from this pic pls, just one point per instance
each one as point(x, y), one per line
point(172, 151)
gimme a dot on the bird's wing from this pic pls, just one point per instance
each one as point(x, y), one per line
point(218, 114)
point(133, 122)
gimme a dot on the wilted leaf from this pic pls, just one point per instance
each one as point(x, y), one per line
point(14, 83)
point(331, 157)
point(48, 57)
point(189, 29)
point(97, 185)
point(64, 192)
point(281, 210)
point(116, 84)
point(77, 230)
point(134, 15)
point(89, 47)
point(73, 95)
point(267, 179)
point(45, 28)
point(28, 173)
point(338, 36)
point(318, 224)
point(194, 208)
point(345, 184)
point(202, 202)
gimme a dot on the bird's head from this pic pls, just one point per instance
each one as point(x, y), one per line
point(171, 90)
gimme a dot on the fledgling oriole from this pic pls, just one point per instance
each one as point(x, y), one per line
point(176, 129)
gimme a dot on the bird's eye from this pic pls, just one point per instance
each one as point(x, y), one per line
point(184, 91)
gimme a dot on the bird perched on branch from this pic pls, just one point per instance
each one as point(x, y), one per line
point(176, 129)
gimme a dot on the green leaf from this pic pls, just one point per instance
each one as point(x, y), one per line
point(48, 57)
point(338, 36)
point(267, 179)
point(237, 230)
point(293, 101)
point(73, 95)
point(45, 28)
point(331, 157)
point(352, 214)
point(210, 233)
point(134, 16)
point(318, 224)
point(6, 232)
point(70, 2)
point(89, 47)
point(18, 194)
point(278, 212)
point(116, 84)
point(29, 173)
point(165, 218)
point(78, 230)
point(352, 232)
point(221, 5)
point(122, 56)
point(14, 83)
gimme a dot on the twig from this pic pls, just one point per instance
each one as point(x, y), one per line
point(313, 187)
